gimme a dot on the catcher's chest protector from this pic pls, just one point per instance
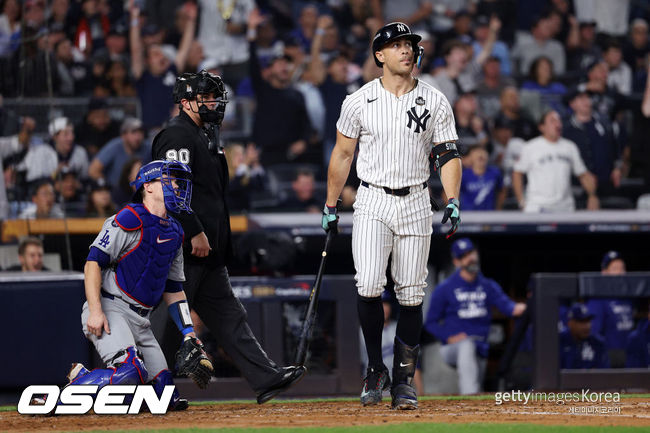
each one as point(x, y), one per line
point(142, 271)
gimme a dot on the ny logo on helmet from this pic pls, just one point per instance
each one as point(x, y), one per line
point(420, 121)
point(401, 27)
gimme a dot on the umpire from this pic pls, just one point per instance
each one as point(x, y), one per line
point(192, 138)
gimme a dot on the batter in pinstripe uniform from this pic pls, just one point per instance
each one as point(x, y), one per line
point(397, 121)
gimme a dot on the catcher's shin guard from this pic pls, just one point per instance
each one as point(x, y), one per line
point(129, 371)
point(404, 362)
point(165, 378)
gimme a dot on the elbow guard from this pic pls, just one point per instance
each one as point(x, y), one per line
point(443, 153)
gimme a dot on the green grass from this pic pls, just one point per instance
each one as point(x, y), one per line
point(408, 428)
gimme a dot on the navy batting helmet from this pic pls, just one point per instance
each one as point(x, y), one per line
point(176, 179)
point(393, 31)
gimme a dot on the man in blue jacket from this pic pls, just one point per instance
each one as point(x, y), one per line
point(638, 346)
point(459, 315)
point(613, 317)
point(579, 348)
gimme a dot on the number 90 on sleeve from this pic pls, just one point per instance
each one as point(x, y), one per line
point(181, 155)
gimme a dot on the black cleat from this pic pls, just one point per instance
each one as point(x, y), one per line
point(376, 381)
point(291, 376)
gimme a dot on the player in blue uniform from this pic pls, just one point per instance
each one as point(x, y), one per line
point(638, 346)
point(459, 315)
point(135, 262)
point(613, 317)
point(579, 348)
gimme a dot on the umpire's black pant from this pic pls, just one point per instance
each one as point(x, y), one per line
point(210, 295)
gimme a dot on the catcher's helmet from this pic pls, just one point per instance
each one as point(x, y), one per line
point(393, 31)
point(176, 179)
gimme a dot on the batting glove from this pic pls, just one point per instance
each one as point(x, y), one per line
point(452, 213)
point(330, 220)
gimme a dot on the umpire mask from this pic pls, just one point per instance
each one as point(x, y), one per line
point(211, 84)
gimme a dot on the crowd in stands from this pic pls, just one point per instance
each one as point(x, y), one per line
point(552, 93)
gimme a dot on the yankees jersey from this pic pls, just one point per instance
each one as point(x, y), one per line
point(548, 167)
point(396, 134)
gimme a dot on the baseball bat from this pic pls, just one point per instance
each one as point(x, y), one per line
point(310, 315)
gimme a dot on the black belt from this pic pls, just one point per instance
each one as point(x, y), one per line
point(141, 311)
point(399, 192)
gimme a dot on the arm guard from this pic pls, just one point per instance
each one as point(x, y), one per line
point(449, 150)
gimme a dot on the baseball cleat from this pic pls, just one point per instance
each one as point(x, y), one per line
point(178, 405)
point(291, 376)
point(77, 370)
point(376, 381)
point(404, 397)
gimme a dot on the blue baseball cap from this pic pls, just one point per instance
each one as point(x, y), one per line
point(461, 247)
point(579, 311)
point(609, 257)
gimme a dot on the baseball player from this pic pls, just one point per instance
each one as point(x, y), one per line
point(579, 348)
point(398, 122)
point(134, 263)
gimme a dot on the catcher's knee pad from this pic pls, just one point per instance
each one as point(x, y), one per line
point(126, 368)
point(163, 378)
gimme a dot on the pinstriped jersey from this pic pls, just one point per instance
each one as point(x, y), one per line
point(396, 133)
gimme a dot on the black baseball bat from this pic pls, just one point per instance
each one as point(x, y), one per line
point(310, 315)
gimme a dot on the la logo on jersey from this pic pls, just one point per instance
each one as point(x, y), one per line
point(419, 121)
point(79, 399)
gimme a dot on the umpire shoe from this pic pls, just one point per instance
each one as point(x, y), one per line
point(405, 360)
point(290, 376)
point(376, 381)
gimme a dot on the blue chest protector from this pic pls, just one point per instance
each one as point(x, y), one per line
point(141, 273)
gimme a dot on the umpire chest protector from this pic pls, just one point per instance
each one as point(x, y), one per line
point(141, 273)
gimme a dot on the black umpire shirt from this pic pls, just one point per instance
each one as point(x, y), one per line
point(184, 141)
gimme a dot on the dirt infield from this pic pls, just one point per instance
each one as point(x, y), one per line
point(629, 412)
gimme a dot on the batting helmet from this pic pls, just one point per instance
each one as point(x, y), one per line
point(176, 180)
point(391, 32)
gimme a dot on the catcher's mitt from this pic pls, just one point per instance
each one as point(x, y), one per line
point(192, 361)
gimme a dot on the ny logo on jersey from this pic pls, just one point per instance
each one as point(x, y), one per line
point(420, 121)
point(103, 242)
point(401, 27)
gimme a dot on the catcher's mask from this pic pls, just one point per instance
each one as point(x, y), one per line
point(176, 180)
point(199, 87)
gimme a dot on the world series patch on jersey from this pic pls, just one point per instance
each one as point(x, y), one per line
point(396, 134)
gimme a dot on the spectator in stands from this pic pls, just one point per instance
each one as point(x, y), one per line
point(96, 128)
point(482, 184)
point(92, 28)
point(99, 203)
point(613, 318)
point(583, 50)
point(70, 193)
point(490, 88)
point(69, 156)
point(43, 205)
point(117, 79)
point(413, 13)
point(153, 72)
point(306, 28)
point(122, 192)
point(246, 175)
point(635, 51)
point(460, 315)
point(579, 348)
point(10, 27)
point(444, 12)
point(302, 198)
point(108, 163)
point(222, 34)
point(500, 51)
point(461, 29)
point(502, 139)
point(10, 147)
point(30, 255)
point(610, 16)
point(512, 112)
point(605, 100)
point(548, 162)
point(277, 104)
point(593, 135)
point(540, 80)
point(536, 44)
point(470, 126)
point(74, 76)
point(619, 77)
point(637, 349)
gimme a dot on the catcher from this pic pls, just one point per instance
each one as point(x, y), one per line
point(135, 261)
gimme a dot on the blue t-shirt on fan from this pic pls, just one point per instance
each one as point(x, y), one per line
point(479, 192)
